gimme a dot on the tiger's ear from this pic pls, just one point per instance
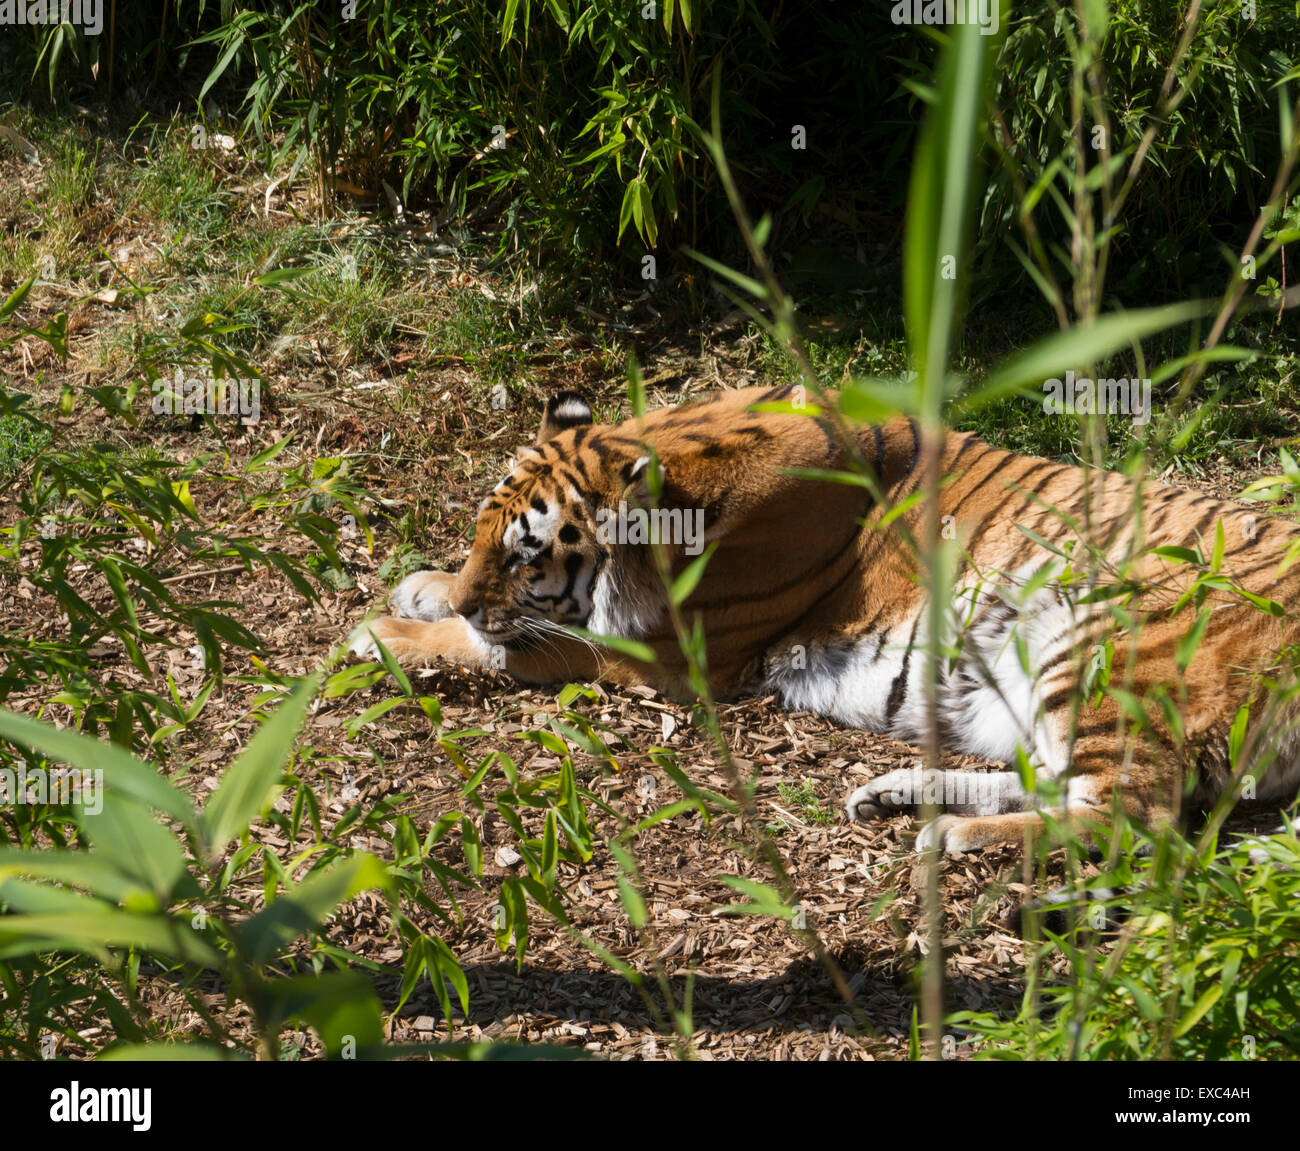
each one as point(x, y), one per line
point(564, 411)
point(636, 477)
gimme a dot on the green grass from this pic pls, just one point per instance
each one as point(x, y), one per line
point(1203, 967)
point(70, 175)
point(43, 232)
point(177, 185)
point(803, 801)
point(20, 442)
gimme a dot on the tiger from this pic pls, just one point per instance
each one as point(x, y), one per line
point(813, 591)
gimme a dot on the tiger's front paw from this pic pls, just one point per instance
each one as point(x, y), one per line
point(424, 595)
point(361, 643)
point(420, 642)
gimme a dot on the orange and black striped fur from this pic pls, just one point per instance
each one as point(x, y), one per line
point(806, 597)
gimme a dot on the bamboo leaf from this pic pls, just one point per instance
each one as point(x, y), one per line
point(246, 786)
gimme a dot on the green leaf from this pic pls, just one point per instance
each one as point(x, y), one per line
point(357, 677)
point(550, 848)
point(940, 200)
point(1208, 999)
point(171, 1053)
point(78, 868)
point(1186, 555)
point(383, 707)
point(632, 902)
point(632, 648)
point(746, 283)
point(266, 455)
point(572, 691)
point(508, 21)
point(123, 774)
point(126, 835)
point(340, 1006)
point(867, 401)
point(308, 905)
point(763, 899)
point(630, 206)
point(443, 969)
point(825, 475)
point(98, 927)
point(248, 782)
point(687, 582)
point(1025, 769)
point(1052, 356)
point(236, 42)
point(788, 408)
point(1237, 735)
point(659, 815)
point(1188, 645)
point(513, 921)
point(1266, 605)
point(29, 898)
point(635, 388)
point(281, 276)
point(1223, 353)
point(394, 668)
point(1146, 1002)
point(1266, 488)
point(471, 846)
point(15, 299)
point(432, 711)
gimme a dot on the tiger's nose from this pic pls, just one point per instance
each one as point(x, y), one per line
point(466, 605)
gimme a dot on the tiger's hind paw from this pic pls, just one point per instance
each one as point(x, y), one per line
point(886, 795)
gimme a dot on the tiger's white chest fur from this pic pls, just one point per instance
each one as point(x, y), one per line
point(625, 602)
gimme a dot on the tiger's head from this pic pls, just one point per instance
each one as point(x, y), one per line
point(537, 559)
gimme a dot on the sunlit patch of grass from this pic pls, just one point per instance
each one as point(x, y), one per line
point(43, 236)
point(802, 799)
point(467, 324)
point(178, 188)
point(20, 442)
point(357, 296)
point(70, 174)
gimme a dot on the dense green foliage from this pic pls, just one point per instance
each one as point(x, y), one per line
point(1202, 966)
point(571, 127)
